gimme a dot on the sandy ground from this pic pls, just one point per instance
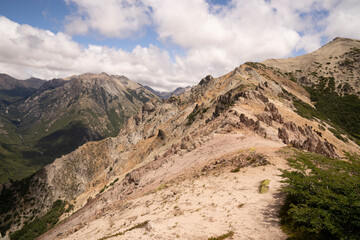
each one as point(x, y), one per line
point(197, 204)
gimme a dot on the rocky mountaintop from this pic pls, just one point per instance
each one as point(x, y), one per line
point(193, 166)
point(338, 60)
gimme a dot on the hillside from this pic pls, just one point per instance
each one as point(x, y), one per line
point(200, 165)
point(331, 75)
point(60, 115)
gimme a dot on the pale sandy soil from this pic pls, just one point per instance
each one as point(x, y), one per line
point(195, 204)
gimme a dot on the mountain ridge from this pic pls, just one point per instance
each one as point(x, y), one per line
point(200, 155)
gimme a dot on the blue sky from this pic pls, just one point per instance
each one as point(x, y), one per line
point(163, 43)
point(50, 15)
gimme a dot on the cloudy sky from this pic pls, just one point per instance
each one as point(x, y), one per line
point(163, 43)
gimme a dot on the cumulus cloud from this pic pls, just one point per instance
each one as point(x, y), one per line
point(215, 38)
point(27, 51)
point(344, 20)
point(111, 18)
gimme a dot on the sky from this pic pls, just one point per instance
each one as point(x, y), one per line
point(164, 44)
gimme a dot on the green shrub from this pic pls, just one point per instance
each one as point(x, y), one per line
point(116, 179)
point(322, 199)
point(341, 110)
point(40, 225)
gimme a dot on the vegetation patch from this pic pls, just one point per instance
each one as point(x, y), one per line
point(192, 116)
point(264, 186)
point(116, 179)
point(341, 110)
point(40, 225)
point(322, 199)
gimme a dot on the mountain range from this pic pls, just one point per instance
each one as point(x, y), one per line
point(204, 164)
point(42, 120)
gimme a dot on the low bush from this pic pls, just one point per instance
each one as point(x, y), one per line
point(322, 199)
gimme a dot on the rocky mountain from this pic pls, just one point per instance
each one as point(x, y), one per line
point(59, 115)
point(337, 61)
point(165, 95)
point(200, 165)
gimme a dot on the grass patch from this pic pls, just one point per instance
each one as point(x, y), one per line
point(322, 199)
point(224, 236)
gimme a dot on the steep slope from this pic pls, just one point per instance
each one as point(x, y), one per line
point(62, 115)
point(187, 168)
point(331, 75)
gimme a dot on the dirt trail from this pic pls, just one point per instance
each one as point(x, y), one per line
point(188, 203)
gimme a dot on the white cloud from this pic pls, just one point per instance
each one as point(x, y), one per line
point(216, 38)
point(111, 18)
point(27, 51)
point(344, 20)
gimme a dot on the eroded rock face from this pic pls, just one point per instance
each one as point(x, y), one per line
point(312, 142)
point(270, 107)
point(283, 135)
point(265, 117)
point(302, 137)
point(247, 121)
point(290, 126)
